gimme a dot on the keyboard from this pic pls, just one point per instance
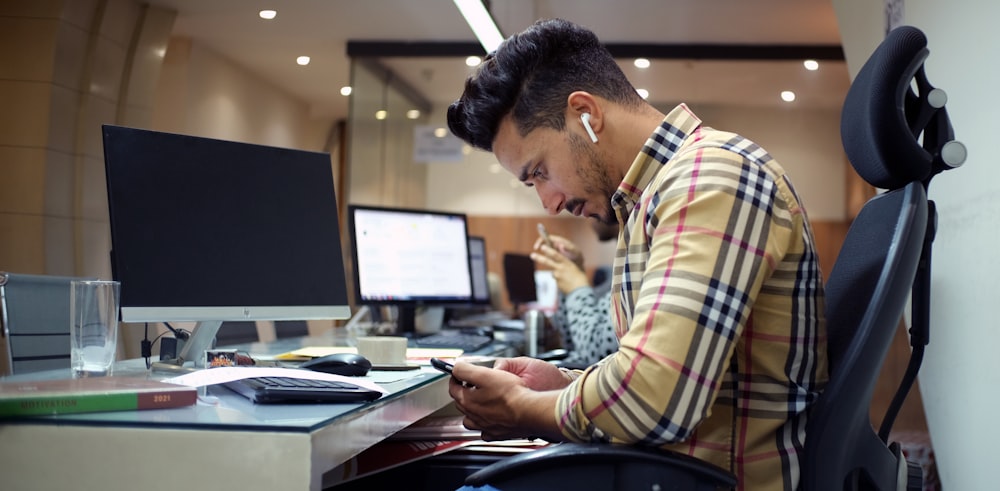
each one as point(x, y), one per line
point(463, 341)
point(277, 390)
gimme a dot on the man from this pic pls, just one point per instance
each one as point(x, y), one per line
point(582, 318)
point(716, 297)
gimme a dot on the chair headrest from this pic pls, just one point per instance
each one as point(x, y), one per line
point(883, 116)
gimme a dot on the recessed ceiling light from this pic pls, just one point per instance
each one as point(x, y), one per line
point(787, 95)
point(811, 65)
point(302, 60)
point(268, 14)
point(643, 93)
point(473, 61)
point(440, 132)
point(381, 114)
point(413, 114)
point(346, 90)
point(641, 63)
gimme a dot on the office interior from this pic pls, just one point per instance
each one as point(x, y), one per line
point(66, 67)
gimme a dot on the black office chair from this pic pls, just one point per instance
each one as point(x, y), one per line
point(35, 319)
point(884, 259)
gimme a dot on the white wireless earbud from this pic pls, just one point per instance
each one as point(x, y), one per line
point(585, 117)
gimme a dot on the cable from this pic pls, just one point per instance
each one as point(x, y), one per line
point(146, 346)
point(181, 334)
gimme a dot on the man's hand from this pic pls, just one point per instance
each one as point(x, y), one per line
point(535, 374)
point(564, 260)
point(500, 402)
point(563, 246)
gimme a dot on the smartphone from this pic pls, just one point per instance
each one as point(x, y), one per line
point(442, 365)
point(446, 368)
point(545, 235)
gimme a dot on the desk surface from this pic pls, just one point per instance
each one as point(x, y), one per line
point(228, 443)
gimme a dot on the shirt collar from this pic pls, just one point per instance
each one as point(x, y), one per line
point(657, 152)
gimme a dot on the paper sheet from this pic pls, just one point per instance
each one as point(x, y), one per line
point(413, 355)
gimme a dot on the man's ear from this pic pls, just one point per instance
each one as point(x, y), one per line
point(582, 103)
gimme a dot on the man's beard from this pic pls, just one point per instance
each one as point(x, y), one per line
point(593, 172)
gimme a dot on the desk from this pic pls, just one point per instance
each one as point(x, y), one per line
point(234, 445)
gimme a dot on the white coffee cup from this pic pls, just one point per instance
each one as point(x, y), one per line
point(383, 350)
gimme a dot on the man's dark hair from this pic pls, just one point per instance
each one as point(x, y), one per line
point(530, 75)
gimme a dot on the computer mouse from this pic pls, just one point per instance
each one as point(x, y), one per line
point(349, 364)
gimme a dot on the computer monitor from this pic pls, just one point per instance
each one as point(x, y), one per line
point(480, 271)
point(409, 258)
point(209, 230)
point(519, 278)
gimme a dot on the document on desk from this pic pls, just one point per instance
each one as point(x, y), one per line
point(212, 376)
point(413, 355)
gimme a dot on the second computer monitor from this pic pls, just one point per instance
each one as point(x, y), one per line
point(480, 271)
point(409, 258)
point(519, 278)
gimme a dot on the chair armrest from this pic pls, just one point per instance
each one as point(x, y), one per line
point(581, 466)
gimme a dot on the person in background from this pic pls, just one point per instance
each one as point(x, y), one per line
point(583, 316)
point(717, 298)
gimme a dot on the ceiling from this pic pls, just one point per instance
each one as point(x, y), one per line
point(322, 28)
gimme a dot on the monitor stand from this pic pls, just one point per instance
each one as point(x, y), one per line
point(406, 320)
point(416, 321)
point(202, 338)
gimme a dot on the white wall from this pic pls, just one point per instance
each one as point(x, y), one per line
point(959, 378)
point(201, 93)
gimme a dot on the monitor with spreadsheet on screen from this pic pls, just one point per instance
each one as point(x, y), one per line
point(210, 230)
point(409, 258)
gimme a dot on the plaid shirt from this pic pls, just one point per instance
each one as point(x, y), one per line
point(718, 303)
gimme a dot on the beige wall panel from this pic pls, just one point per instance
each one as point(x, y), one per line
point(26, 113)
point(24, 250)
point(70, 56)
point(26, 46)
point(93, 189)
point(59, 246)
point(94, 248)
point(60, 174)
point(63, 112)
point(23, 182)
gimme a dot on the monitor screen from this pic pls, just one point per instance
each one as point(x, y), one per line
point(213, 230)
point(480, 272)
point(519, 278)
point(410, 257)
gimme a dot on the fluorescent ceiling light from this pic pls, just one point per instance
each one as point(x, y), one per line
point(481, 22)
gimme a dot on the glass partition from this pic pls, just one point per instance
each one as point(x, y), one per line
point(384, 112)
